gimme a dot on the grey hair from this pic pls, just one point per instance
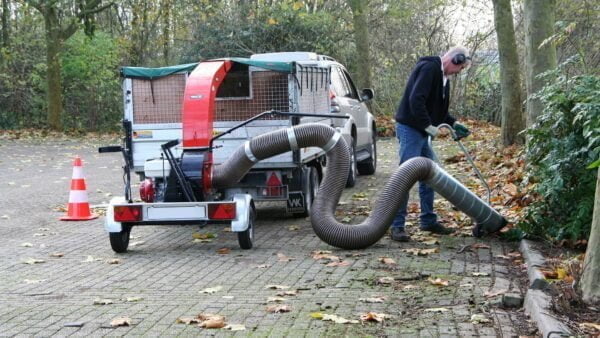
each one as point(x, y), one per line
point(456, 50)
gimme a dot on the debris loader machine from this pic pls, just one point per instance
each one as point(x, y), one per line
point(248, 131)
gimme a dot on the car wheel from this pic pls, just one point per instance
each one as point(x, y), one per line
point(369, 166)
point(353, 171)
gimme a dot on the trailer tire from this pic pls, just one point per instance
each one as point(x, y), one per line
point(119, 241)
point(310, 185)
point(246, 237)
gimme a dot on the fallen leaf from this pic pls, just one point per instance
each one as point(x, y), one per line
point(197, 235)
point(479, 246)
point(338, 319)
point(4, 216)
point(121, 321)
point(385, 280)
point(32, 261)
point(228, 297)
point(431, 241)
point(33, 281)
point(342, 263)
point(387, 260)
point(479, 274)
point(216, 323)
point(202, 240)
point(27, 245)
point(57, 254)
point(283, 258)
point(138, 243)
point(278, 308)
point(373, 317)
point(114, 261)
point(421, 252)
point(223, 251)
point(478, 319)
point(263, 266)
point(99, 301)
point(235, 327)
point(410, 287)
point(561, 272)
point(212, 290)
point(590, 326)
point(438, 281)
point(293, 228)
point(91, 259)
point(379, 299)
point(437, 309)
point(510, 189)
point(276, 300)
point(288, 293)
point(491, 294)
point(276, 287)
point(210, 316)
point(316, 315)
point(187, 320)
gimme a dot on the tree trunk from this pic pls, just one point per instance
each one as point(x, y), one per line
point(166, 12)
point(361, 37)
point(53, 79)
point(590, 280)
point(539, 23)
point(5, 23)
point(510, 78)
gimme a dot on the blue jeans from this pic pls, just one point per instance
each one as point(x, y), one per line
point(413, 143)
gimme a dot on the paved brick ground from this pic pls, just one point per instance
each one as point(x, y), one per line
point(168, 270)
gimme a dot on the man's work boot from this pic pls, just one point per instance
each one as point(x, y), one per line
point(400, 235)
point(437, 228)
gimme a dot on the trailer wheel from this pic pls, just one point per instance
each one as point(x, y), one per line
point(310, 185)
point(119, 241)
point(246, 237)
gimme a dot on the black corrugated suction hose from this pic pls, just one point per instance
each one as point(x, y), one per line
point(349, 236)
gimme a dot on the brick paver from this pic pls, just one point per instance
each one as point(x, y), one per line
point(168, 270)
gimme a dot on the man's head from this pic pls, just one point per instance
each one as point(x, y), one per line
point(455, 60)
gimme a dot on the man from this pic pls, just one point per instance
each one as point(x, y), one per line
point(423, 107)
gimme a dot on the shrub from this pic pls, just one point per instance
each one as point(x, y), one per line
point(560, 148)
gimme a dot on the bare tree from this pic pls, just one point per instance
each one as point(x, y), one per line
point(539, 57)
point(361, 38)
point(510, 78)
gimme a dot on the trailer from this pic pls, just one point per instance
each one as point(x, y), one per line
point(182, 122)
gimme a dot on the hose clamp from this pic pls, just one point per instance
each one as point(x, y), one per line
point(292, 139)
point(249, 153)
point(332, 142)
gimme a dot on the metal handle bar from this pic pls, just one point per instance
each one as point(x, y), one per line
point(469, 158)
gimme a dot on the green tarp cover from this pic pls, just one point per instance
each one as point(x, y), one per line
point(154, 73)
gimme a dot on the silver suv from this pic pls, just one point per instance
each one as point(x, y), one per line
point(359, 130)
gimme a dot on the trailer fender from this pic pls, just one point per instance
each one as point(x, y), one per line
point(109, 221)
point(243, 203)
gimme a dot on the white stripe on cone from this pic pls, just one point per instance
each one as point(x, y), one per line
point(78, 172)
point(78, 196)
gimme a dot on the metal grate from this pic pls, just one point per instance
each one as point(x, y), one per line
point(158, 101)
point(313, 90)
point(269, 91)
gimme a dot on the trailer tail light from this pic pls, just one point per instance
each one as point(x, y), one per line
point(221, 211)
point(274, 188)
point(128, 213)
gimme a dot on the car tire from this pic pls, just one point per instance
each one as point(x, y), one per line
point(353, 171)
point(369, 166)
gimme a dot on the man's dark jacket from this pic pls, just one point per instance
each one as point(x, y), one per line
point(424, 102)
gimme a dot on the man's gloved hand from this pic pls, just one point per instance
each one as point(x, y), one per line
point(432, 131)
point(461, 130)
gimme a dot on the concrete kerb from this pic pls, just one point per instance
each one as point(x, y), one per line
point(537, 302)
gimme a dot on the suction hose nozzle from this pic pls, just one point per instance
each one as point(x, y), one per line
point(354, 236)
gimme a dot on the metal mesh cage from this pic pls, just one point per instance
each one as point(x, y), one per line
point(159, 100)
point(313, 90)
point(268, 91)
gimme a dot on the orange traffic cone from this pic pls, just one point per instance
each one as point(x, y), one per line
point(79, 208)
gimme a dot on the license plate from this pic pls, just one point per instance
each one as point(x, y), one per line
point(172, 213)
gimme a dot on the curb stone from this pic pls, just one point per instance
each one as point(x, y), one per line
point(537, 302)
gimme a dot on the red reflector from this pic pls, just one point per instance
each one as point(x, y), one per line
point(221, 211)
point(128, 213)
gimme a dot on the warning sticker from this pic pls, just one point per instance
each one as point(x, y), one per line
point(142, 134)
